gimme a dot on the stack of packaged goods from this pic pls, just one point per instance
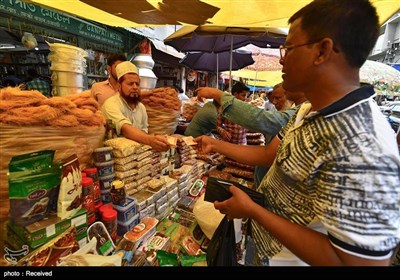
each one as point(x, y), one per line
point(156, 165)
point(158, 188)
point(186, 149)
point(45, 207)
point(92, 173)
point(171, 186)
point(156, 242)
point(133, 163)
point(164, 162)
point(104, 164)
point(182, 178)
point(127, 216)
point(125, 207)
point(192, 169)
point(201, 167)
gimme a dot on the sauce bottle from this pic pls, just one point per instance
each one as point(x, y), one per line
point(117, 192)
point(87, 198)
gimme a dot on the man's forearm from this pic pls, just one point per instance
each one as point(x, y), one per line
point(253, 118)
point(135, 134)
point(255, 155)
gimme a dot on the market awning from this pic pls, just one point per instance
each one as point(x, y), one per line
point(249, 13)
point(164, 53)
point(166, 49)
point(160, 51)
point(258, 78)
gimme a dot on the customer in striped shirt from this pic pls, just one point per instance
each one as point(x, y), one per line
point(333, 188)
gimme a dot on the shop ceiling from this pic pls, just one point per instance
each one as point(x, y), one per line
point(243, 13)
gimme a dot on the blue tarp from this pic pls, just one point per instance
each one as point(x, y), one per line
point(259, 88)
point(396, 66)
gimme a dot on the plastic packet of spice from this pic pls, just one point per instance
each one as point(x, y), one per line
point(197, 260)
point(167, 259)
point(30, 192)
point(32, 161)
point(70, 194)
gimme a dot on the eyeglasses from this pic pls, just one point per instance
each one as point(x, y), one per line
point(284, 49)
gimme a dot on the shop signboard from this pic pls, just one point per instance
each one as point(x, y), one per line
point(60, 21)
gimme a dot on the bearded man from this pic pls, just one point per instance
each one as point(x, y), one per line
point(127, 113)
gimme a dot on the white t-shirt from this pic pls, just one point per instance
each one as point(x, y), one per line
point(116, 109)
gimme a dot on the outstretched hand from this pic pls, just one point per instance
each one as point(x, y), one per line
point(204, 144)
point(159, 143)
point(209, 92)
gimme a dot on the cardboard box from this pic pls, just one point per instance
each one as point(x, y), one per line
point(38, 233)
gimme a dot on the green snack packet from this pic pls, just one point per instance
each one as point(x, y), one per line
point(197, 260)
point(167, 259)
point(32, 161)
point(30, 192)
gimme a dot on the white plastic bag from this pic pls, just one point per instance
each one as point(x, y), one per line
point(207, 216)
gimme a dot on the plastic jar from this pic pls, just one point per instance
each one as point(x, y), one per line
point(105, 181)
point(105, 168)
point(103, 154)
point(92, 173)
point(87, 198)
point(104, 207)
point(109, 218)
point(117, 192)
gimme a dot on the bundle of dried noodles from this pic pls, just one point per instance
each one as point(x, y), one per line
point(19, 107)
point(14, 97)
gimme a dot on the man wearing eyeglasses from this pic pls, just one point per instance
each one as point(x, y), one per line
point(333, 187)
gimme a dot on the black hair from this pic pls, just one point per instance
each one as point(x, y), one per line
point(353, 25)
point(239, 87)
point(112, 58)
point(177, 88)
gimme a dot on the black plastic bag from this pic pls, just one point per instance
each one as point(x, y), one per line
point(222, 247)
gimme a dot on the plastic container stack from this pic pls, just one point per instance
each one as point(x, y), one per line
point(104, 162)
point(92, 173)
point(68, 65)
point(127, 216)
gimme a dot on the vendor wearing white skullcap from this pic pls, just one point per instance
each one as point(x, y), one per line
point(127, 113)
